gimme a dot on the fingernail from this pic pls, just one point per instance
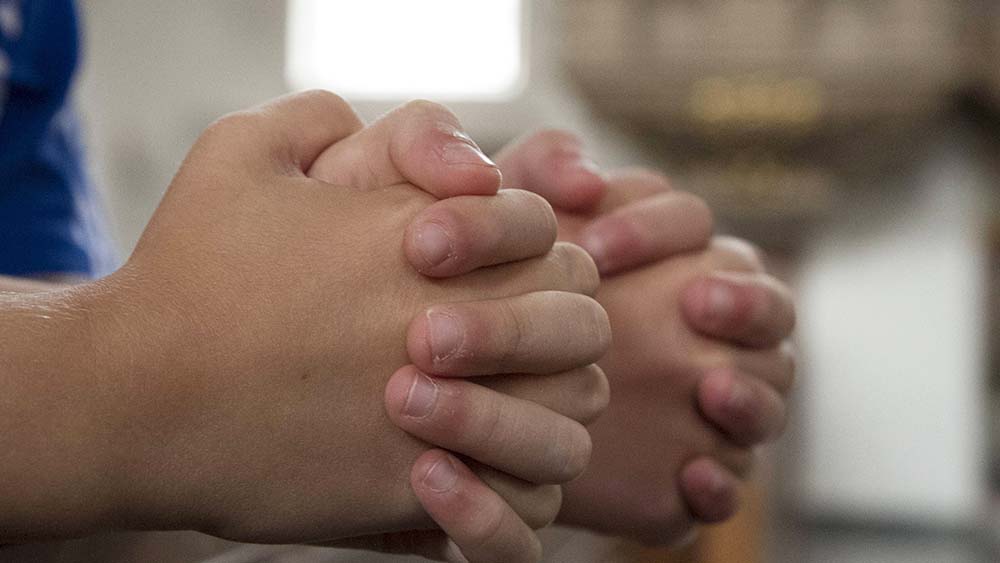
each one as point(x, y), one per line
point(719, 301)
point(421, 398)
point(433, 243)
point(446, 335)
point(462, 150)
point(441, 476)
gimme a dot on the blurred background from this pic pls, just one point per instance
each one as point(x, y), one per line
point(857, 142)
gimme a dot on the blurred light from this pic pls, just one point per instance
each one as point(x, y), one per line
point(397, 49)
point(756, 99)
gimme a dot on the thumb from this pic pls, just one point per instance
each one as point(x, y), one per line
point(288, 132)
point(421, 143)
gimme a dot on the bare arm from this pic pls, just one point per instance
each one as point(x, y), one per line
point(52, 444)
point(34, 285)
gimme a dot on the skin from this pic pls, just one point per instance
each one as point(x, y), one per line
point(700, 367)
point(554, 166)
point(230, 377)
point(697, 382)
point(479, 518)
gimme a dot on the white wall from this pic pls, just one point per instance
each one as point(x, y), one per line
point(156, 73)
point(892, 327)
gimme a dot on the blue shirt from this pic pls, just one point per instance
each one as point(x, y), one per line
point(50, 220)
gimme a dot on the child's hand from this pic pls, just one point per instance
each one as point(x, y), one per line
point(281, 305)
point(693, 387)
point(422, 144)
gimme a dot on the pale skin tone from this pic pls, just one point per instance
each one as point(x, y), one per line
point(230, 377)
point(760, 305)
point(701, 343)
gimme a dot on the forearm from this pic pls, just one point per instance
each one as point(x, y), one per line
point(33, 285)
point(54, 468)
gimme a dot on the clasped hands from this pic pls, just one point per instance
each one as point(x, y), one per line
point(362, 249)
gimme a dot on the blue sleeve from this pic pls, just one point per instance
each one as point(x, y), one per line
point(50, 217)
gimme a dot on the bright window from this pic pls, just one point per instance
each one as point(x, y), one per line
point(396, 49)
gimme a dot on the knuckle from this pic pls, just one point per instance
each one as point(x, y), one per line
point(753, 425)
point(431, 111)
point(513, 329)
point(486, 528)
point(662, 519)
point(587, 324)
point(575, 450)
point(555, 141)
point(650, 180)
point(699, 213)
point(597, 393)
point(654, 178)
point(739, 460)
point(546, 502)
point(764, 308)
point(718, 358)
point(533, 552)
point(600, 324)
point(489, 427)
point(775, 306)
point(226, 127)
point(536, 206)
point(326, 99)
point(738, 253)
point(576, 267)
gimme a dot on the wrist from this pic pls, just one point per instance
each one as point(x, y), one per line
point(55, 442)
point(138, 406)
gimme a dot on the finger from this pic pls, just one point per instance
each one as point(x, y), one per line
point(629, 185)
point(457, 235)
point(552, 164)
point(647, 231)
point(775, 366)
point(538, 333)
point(754, 310)
point(476, 519)
point(537, 505)
point(710, 490)
point(581, 394)
point(735, 254)
point(747, 410)
point(738, 460)
point(566, 267)
point(292, 129)
point(513, 435)
point(421, 143)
